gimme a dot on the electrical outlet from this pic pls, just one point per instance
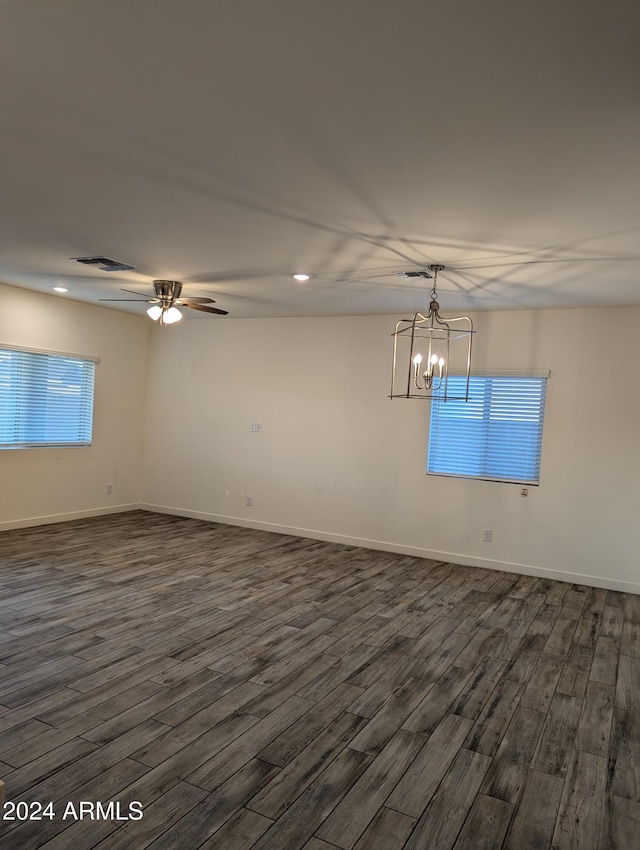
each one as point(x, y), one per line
point(249, 501)
point(486, 536)
point(524, 491)
point(109, 489)
point(253, 427)
point(259, 427)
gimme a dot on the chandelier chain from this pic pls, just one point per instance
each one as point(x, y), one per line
point(433, 295)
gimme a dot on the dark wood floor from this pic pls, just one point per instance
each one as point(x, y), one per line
point(253, 690)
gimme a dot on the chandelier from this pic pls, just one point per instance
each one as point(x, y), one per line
point(430, 348)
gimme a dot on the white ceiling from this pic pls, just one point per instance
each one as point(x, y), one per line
point(227, 144)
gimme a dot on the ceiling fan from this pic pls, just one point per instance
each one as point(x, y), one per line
point(167, 299)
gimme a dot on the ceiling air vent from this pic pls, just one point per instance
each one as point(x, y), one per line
point(104, 264)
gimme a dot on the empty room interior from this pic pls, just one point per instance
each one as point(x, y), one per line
point(319, 416)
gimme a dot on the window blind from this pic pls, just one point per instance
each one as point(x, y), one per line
point(496, 435)
point(45, 399)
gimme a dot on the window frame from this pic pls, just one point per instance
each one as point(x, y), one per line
point(487, 432)
point(30, 387)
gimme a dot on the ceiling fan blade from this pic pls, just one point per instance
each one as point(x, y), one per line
point(141, 294)
point(189, 300)
point(129, 300)
point(205, 309)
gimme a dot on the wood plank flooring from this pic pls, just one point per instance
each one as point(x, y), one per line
point(253, 690)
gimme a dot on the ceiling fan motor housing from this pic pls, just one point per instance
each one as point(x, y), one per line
point(167, 290)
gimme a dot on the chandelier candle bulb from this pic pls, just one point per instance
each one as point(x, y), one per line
point(429, 381)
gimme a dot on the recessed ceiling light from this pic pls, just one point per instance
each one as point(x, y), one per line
point(301, 276)
point(60, 289)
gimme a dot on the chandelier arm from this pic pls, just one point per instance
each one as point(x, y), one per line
point(416, 362)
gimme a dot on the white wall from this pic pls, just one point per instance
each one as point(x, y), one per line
point(338, 460)
point(49, 484)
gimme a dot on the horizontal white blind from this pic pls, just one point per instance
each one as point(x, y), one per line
point(496, 435)
point(45, 399)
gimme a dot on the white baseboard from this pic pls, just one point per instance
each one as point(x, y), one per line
point(68, 517)
point(384, 546)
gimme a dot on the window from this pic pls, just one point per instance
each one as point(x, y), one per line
point(496, 435)
point(45, 399)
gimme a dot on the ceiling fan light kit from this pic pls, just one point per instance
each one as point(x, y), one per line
point(426, 346)
point(166, 315)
